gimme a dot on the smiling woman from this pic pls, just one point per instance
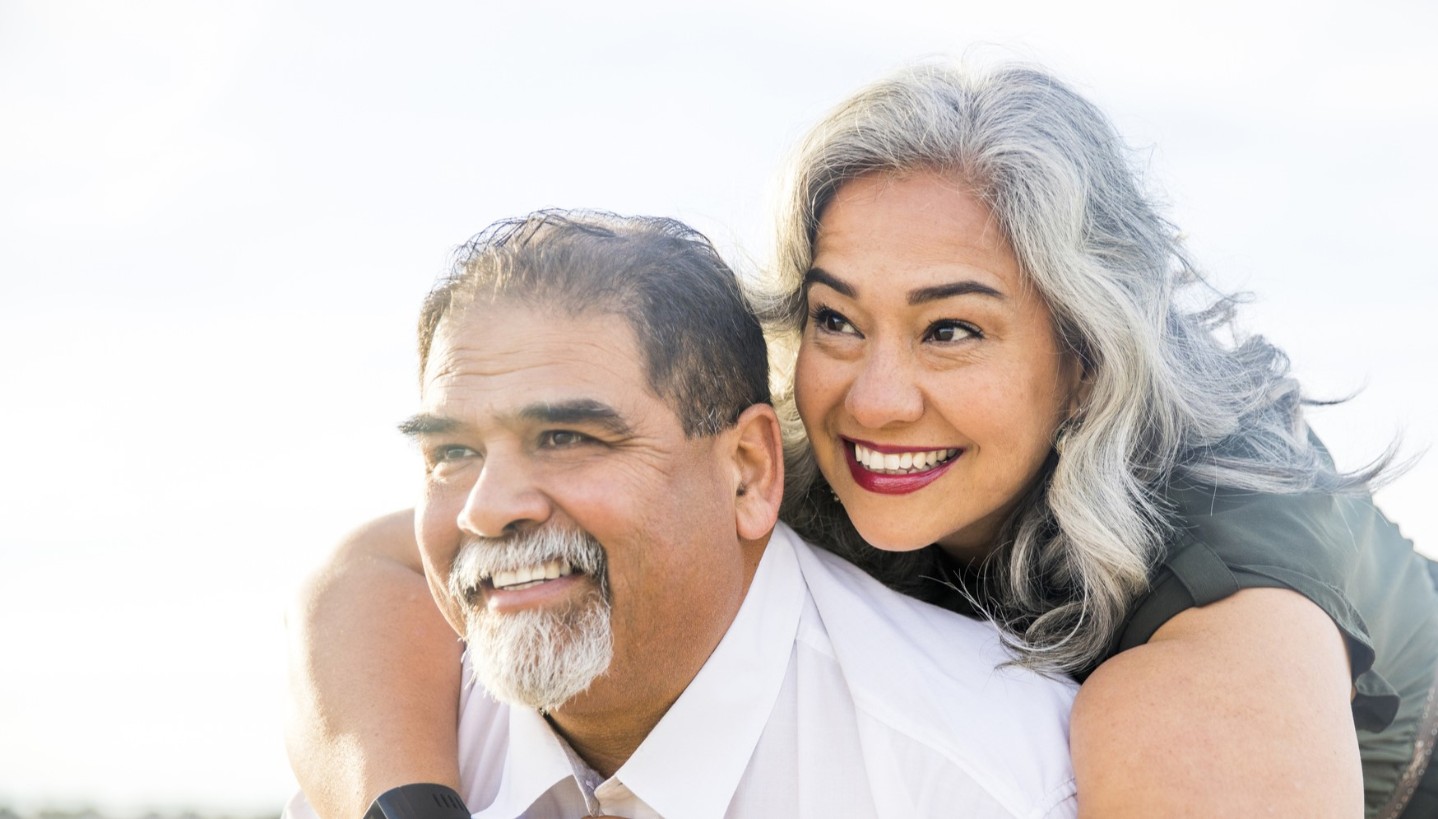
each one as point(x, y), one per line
point(969, 264)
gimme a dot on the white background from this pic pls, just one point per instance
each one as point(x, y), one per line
point(217, 222)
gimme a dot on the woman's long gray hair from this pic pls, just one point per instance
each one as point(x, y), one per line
point(1175, 395)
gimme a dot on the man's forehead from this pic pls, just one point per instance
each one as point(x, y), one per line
point(515, 360)
point(494, 338)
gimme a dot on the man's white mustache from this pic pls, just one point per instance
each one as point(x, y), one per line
point(479, 559)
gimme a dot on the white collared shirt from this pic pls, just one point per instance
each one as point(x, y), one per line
point(830, 696)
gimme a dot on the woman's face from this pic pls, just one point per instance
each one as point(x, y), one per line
point(929, 377)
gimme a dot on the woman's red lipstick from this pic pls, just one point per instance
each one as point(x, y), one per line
point(892, 484)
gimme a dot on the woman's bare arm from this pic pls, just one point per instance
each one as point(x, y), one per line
point(1239, 708)
point(374, 675)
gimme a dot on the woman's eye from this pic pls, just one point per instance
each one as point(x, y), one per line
point(946, 331)
point(829, 321)
point(561, 438)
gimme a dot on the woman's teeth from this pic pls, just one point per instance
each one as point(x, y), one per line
point(526, 576)
point(896, 463)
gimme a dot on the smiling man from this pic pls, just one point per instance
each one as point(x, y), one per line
point(603, 474)
point(573, 524)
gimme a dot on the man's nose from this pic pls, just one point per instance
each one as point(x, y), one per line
point(885, 389)
point(504, 500)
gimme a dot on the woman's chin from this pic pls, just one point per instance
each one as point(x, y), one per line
point(907, 536)
point(892, 539)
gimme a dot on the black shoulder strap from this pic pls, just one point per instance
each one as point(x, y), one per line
point(1205, 575)
point(1194, 576)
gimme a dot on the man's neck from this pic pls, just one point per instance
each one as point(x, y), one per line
point(605, 724)
point(606, 744)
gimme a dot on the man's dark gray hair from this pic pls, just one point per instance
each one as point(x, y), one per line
point(704, 349)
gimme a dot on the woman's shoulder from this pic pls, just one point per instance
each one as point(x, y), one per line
point(1337, 550)
point(1224, 539)
point(1308, 532)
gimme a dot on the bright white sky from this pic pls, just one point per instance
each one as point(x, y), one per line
point(217, 221)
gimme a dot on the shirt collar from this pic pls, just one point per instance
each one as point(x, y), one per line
point(692, 761)
point(535, 762)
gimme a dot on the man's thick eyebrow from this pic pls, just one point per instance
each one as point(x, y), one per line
point(944, 291)
point(579, 411)
point(426, 424)
point(824, 277)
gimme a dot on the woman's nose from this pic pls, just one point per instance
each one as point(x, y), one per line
point(885, 389)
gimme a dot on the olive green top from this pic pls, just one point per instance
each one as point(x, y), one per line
point(1341, 553)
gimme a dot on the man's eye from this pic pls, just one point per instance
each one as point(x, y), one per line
point(451, 452)
point(446, 459)
point(561, 438)
point(831, 321)
point(949, 330)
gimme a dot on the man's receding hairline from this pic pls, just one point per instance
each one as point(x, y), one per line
point(600, 308)
point(456, 312)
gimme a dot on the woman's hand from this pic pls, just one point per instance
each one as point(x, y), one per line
point(1239, 708)
point(374, 675)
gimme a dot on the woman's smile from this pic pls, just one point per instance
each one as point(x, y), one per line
point(892, 470)
point(892, 460)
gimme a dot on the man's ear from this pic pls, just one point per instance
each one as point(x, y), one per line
point(758, 455)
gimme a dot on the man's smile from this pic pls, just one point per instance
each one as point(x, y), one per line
point(528, 576)
point(528, 594)
point(538, 569)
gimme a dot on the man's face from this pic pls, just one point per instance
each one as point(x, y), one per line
point(565, 510)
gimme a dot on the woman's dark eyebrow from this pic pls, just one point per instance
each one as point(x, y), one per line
point(944, 291)
point(824, 277)
point(919, 296)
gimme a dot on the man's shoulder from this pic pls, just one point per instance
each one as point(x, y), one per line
point(933, 684)
point(857, 610)
point(842, 590)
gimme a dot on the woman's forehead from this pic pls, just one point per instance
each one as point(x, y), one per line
point(925, 228)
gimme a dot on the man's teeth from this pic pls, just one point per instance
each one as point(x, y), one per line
point(894, 463)
point(526, 576)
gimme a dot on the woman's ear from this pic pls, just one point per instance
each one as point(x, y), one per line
point(1082, 384)
point(759, 471)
